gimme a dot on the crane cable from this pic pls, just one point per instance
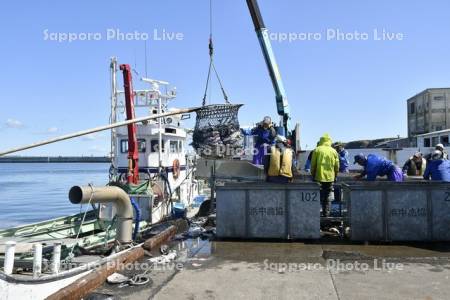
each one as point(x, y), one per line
point(211, 60)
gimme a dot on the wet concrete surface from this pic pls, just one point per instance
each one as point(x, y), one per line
point(293, 270)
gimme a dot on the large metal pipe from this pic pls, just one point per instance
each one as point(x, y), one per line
point(101, 128)
point(108, 194)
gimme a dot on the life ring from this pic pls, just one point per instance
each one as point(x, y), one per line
point(176, 168)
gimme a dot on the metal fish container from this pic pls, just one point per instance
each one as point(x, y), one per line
point(407, 211)
point(266, 210)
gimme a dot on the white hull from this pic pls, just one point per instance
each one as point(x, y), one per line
point(16, 288)
point(34, 291)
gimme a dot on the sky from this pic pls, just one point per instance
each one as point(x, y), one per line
point(340, 77)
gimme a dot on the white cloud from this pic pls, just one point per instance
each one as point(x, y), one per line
point(90, 137)
point(52, 130)
point(98, 149)
point(93, 137)
point(12, 123)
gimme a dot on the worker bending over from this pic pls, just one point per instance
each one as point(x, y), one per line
point(265, 135)
point(324, 169)
point(279, 165)
point(415, 165)
point(343, 157)
point(375, 165)
point(438, 168)
point(439, 147)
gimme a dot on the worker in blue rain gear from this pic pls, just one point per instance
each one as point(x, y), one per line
point(343, 157)
point(441, 148)
point(344, 164)
point(438, 168)
point(375, 165)
point(308, 159)
point(265, 135)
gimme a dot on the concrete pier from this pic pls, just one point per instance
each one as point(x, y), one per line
point(257, 270)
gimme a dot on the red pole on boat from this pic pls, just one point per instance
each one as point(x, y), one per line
point(133, 151)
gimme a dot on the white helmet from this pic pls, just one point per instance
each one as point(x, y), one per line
point(281, 139)
point(437, 154)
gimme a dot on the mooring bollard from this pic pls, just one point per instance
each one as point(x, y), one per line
point(37, 260)
point(9, 257)
point(56, 259)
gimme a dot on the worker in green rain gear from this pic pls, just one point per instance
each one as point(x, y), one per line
point(324, 169)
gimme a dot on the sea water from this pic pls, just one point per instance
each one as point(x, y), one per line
point(33, 192)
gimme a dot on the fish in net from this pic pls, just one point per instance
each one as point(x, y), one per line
point(217, 133)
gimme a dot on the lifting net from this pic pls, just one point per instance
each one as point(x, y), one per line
point(217, 133)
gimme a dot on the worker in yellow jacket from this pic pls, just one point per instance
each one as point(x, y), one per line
point(324, 169)
point(415, 165)
point(279, 164)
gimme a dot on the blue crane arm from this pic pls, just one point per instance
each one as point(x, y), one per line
point(269, 56)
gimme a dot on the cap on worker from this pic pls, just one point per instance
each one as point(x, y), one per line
point(437, 154)
point(359, 157)
point(267, 120)
point(440, 147)
point(281, 139)
point(418, 154)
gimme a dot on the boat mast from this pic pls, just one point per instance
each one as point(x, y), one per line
point(113, 117)
point(159, 134)
point(155, 84)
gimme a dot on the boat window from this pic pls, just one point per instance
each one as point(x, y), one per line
point(124, 146)
point(180, 146)
point(142, 146)
point(154, 145)
point(444, 140)
point(435, 140)
point(171, 130)
point(426, 142)
point(174, 147)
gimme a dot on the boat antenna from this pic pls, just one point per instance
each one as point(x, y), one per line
point(145, 57)
point(134, 69)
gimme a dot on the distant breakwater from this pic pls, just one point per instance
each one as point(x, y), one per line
point(55, 159)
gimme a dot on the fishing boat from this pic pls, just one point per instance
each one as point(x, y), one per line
point(162, 145)
point(151, 179)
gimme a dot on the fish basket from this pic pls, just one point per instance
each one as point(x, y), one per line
point(217, 133)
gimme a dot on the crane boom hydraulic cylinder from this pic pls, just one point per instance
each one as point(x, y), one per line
point(133, 151)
